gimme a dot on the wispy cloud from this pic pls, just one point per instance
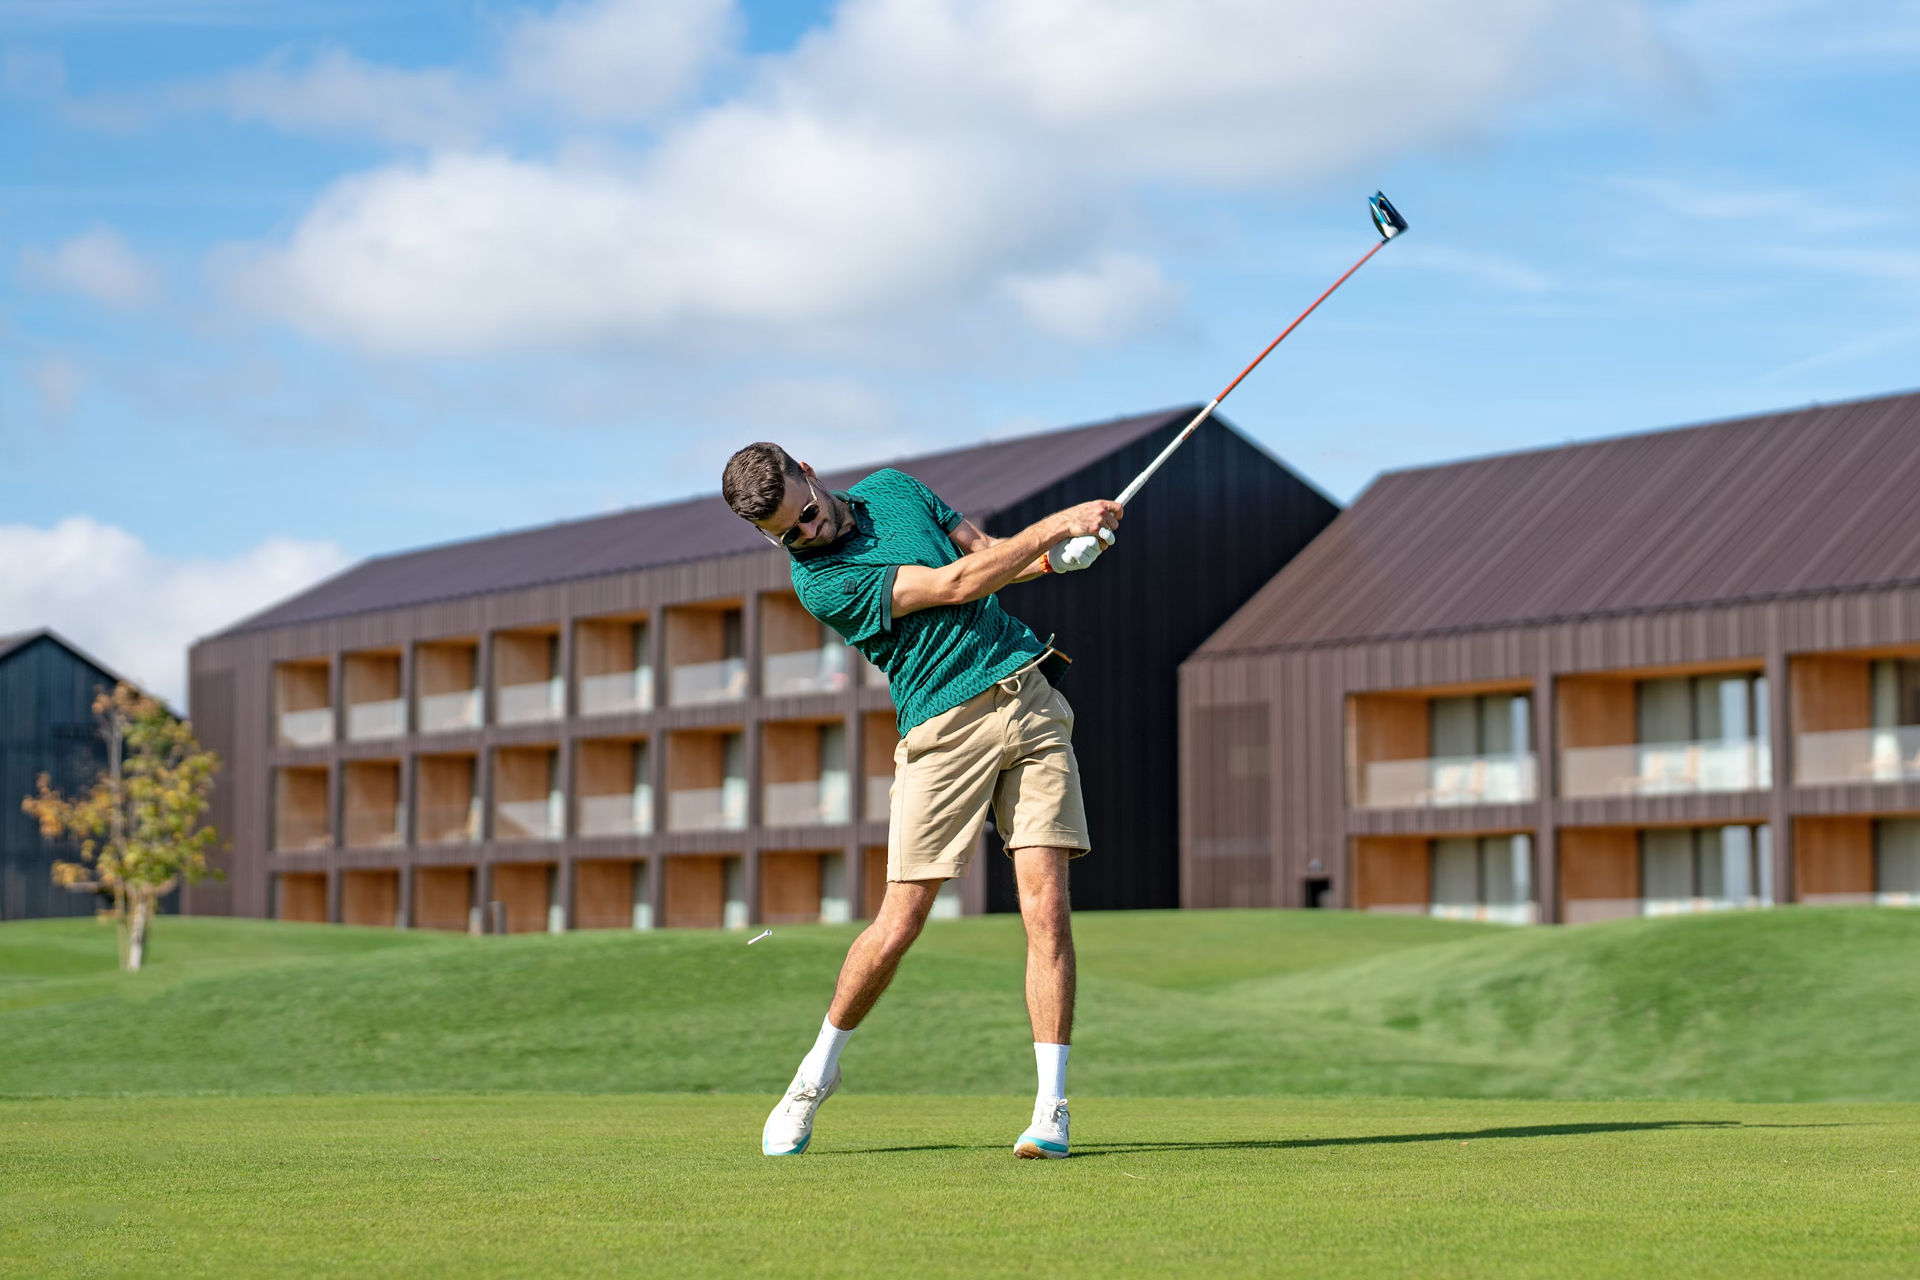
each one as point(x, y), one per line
point(98, 264)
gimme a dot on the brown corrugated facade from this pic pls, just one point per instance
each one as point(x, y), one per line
point(628, 721)
point(1576, 678)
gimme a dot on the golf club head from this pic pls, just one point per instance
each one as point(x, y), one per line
point(1386, 218)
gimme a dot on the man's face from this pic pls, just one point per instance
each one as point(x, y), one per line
point(807, 510)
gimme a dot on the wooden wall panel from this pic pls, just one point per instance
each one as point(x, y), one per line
point(372, 786)
point(526, 890)
point(1831, 692)
point(303, 897)
point(370, 898)
point(873, 880)
point(372, 677)
point(302, 686)
point(442, 898)
point(445, 668)
point(603, 893)
point(790, 888)
point(523, 657)
point(1595, 711)
point(1598, 864)
point(1832, 855)
point(785, 627)
point(1389, 727)
point(790, 752)
point(696, 892)
point(604, 766)
point(604, 647)
point(522, 773)
point(695, 635)
point(695, 761)
point(446, 782)
point(1392, 871)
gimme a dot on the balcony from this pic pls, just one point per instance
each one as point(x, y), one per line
point(614, 665)
point(373, 817)
point(527, 687)
point(449, 823)
point(525, 703)
point(1449, 781)
point(375, 708)
point(1666, 768)
point(799, 804)
point(706, 659)
point(722, 808)
point(804, 771)
point(800, 654)
point(448, 803)
point(447, 688)
point(1664, 871)
point(706, 781)
point(616, 793)
point(617, 692)
point(804, 888)
point(880, 737)
point(300, 811)
point(303, 704)
point(528, 803)
point(705, 892)
point(1857, 755)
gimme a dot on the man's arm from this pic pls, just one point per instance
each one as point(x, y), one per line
point(992, 563)
point(970, 538)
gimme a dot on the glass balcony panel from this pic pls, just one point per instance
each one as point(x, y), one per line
point(708, 808)
point(449, 824)
point(612, 694)
point(822, 670)
point(1443, 782)
point(540, 700)
point(375, 829)
point(722, 681)
point(795, 804)
point(1858, 755)
point(297, 832)
point(1487, 912)
point(307, 728)
point(879, 799)
point(440, 712)
point(527, 819)
point(1666, 768)
point(624, 814)
point(376, 720)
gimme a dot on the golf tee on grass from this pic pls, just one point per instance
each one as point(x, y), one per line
point(1079, 552)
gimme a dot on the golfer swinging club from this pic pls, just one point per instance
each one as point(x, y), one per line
point(910, 583)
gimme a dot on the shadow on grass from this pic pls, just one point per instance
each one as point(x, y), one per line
point(1363, 1140)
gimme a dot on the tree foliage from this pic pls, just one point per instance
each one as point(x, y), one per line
point(138, 828)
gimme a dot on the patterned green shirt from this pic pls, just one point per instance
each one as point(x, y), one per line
point(936, 658)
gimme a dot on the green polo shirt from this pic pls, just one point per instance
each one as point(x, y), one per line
point(936, 658)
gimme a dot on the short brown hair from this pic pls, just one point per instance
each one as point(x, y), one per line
point(755, 481)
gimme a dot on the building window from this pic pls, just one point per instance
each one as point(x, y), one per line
point(1665, 736)
point(1685, 869)
point(1484, 878)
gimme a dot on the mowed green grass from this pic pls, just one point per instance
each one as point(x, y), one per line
point(1787, 1005)
point(649, 1185)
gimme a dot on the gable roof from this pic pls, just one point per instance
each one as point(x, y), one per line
point(978, 480)
point(1784, 504)
point(9, 644)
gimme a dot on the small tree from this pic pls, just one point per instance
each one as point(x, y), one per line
point(139, 827)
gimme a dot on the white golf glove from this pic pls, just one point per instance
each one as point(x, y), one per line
point(1078, 553)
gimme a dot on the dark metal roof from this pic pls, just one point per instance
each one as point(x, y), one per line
point(1786, 504)
point(978, 480)
point(21, 639)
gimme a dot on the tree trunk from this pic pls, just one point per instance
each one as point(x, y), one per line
point(123, 921)
point(137, 911)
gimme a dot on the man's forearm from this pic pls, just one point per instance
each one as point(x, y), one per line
point(979, 574)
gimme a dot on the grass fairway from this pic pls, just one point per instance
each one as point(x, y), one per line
point(536, 1185)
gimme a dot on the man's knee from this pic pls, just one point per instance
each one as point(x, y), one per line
point(903, 913)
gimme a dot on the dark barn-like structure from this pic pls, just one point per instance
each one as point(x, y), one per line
point(47, 687)
point(628, 721)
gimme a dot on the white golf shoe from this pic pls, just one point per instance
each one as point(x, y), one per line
point(790, 1128)
point(1046, 1137)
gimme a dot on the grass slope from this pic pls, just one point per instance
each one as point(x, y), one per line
point(531, 1185)
point(1781, 1005)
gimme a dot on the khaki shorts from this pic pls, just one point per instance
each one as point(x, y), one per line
point(1011, 747)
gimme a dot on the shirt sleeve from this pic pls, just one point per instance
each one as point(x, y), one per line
point(943, 515)
point(856, 601)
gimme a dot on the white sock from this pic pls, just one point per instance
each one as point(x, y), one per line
point(1052, 1061)
point(824, 1058)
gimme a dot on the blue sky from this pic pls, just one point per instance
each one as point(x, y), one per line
point(287, 284)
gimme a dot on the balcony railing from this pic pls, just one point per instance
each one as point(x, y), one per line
point(623, 814)
point(879, 799)
point(307, 728)
point(708, 808)
point(1486, 912)
point(376, 719)
point(1857, 755)
point(440, 712)
point(1592, 910)
point(800, 804)
point(299, 832)
point(376, 828)
point(449, 823)
point(822, 670)
point(1444, 781)
point(1666, 768)
point(612, 694)
point(540, 700)
point(722, 681)
point(542, 819)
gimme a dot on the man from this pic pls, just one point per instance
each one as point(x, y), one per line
point(910, 583)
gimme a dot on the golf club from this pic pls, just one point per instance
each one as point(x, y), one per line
point(1079, 552)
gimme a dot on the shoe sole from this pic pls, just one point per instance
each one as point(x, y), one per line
point(1029, 1149)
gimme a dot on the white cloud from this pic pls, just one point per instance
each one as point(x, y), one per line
point(917, 156)
point(137, 611)
point(98, 264)
point(337, 92)
point(621, 61)
point(1115, 298)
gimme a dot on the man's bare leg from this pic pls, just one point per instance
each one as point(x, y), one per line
point(1047, 912)
point(874, 957)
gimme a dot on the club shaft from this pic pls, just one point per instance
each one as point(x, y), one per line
point(1140, 481)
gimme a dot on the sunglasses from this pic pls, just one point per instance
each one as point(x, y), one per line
point(808, 514)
